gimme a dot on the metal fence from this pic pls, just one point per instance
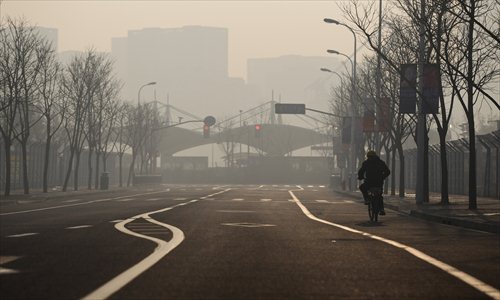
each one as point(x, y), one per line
point(57, 168)
point(487, 166)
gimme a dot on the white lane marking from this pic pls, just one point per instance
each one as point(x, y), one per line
point(116, 221)
point(321, 186)
point(125, 200)
point(7, 259)
point(7, 271)
point(248, 225)
point(159, 252)
point(78, 227)
point(22, 234)
point(179, 199)
point(153, 199)
point(76, 204)
point(322, 201)
point(470, 280)
point(235, 211)
point(72, 200)
point(238, 199)
point(310, 186)
point(266, 200)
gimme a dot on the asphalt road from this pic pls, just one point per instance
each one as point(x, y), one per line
point(235, 242)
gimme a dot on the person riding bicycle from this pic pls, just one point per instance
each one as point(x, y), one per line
point(374, 171)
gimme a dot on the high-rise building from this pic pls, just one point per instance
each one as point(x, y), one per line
point(50, 34)
point(189, 63)
point(294, 78)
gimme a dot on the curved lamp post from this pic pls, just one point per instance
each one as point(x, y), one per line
point(139, 93)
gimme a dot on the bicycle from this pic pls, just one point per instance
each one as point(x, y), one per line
point(374, 203)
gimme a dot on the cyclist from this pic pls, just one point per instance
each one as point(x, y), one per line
point(374, 171)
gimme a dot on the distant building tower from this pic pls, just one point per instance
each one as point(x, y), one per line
point(51, 34)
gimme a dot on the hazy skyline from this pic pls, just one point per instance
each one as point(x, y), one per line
point(256, 29)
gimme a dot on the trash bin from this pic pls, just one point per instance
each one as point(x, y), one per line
point(104, 180)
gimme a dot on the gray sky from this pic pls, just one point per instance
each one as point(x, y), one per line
point(256, 28)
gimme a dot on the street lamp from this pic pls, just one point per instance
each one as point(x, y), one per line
point(353, 151)
point(139, 93)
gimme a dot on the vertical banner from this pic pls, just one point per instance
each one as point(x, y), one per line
point(432, 86)
point(384, 115)
point(368, 115)
point(346, 130)
point(408, 89)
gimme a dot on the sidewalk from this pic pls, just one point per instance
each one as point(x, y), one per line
point(485, 218)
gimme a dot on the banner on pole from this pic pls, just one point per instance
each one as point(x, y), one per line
point(431, 89)
point(408, 89)
point(384, 115)
point(369, 115)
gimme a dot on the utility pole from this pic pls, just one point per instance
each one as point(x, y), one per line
point(421, 193)
point(377, 80)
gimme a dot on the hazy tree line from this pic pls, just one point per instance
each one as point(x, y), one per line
point(462, 37)
point(74, 105)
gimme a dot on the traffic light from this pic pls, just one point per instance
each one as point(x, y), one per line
point(206, 131)
point(258, 129)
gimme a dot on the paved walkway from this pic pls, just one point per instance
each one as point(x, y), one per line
point(485, 218)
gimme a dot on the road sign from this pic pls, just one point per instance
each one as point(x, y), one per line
point(209, 121)
point(289, 108)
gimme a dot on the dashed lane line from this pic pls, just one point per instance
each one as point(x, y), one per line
point(78, 227)
point(162, 249)
point(470, 280)
point(22, 234)
point(72, 200)
point(76, 204)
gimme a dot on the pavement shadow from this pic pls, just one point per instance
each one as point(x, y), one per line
point(371, 224)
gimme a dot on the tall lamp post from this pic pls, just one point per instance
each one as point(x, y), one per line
point(139, 93)
point(353, 152)
point(342, 97)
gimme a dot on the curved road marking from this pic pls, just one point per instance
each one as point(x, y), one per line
point(470, 280)
point(158, 253)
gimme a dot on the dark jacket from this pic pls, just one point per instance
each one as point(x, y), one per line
point(374, 171)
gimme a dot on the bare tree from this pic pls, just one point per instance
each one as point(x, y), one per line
point(123, 139)
point(79, 89)
point(20, 70)
point(51, 106)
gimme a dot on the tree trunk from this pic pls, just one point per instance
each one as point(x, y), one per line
point(77, 167)
point(70, 168)
point(389, 161)
point(89, 164)
point(46, 163)
point(393, 172)
point(26, 183)
point(97, 165)
point(120, 169)
point(7, 146)
point(131, 169)
point(444, 170)
point(401, 171)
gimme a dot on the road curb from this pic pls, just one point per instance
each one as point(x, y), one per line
point(492, 228)
point(486, 227)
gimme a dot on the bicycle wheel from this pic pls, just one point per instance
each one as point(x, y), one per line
point(375, 208)
point(370, 209)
